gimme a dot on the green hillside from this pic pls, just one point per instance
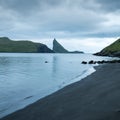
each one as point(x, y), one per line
point(111, 50)
point(7, 45)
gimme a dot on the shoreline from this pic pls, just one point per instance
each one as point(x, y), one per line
point(95, 97)
point(86, 73)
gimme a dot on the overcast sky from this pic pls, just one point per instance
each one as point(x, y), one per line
point(87, 25)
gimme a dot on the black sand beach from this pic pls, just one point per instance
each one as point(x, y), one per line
point(97, 97)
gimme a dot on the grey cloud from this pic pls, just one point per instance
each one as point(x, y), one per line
point(61, 18)
point(109, 5)
point(20, 6)
point(28, 6)
point(72, 22)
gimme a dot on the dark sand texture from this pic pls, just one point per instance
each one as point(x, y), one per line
point(97, 97)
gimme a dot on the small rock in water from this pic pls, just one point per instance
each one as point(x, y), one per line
point(91, 62)
point(84, 62)
point(101, 62)
point(46, 61)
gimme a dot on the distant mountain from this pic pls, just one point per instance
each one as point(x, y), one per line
point(111, 50)
point(7, 45)
point(58, 48)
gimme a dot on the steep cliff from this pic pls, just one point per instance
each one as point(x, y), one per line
point(58, 48)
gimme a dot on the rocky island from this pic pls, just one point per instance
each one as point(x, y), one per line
point(58, 48)
point(25, 46)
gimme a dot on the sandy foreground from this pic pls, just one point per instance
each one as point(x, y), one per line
point(96, 97)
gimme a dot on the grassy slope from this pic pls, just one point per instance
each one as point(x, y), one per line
point(114, 47)
point(7, 45)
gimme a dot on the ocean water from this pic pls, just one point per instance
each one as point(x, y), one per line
point(25, 78)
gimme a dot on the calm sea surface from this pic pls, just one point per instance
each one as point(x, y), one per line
point(25, 78)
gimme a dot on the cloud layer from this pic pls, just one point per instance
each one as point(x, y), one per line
point(40, 19)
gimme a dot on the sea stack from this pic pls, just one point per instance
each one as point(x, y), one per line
point(58, 48)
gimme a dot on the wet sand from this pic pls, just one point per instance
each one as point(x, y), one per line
point(96, 97)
